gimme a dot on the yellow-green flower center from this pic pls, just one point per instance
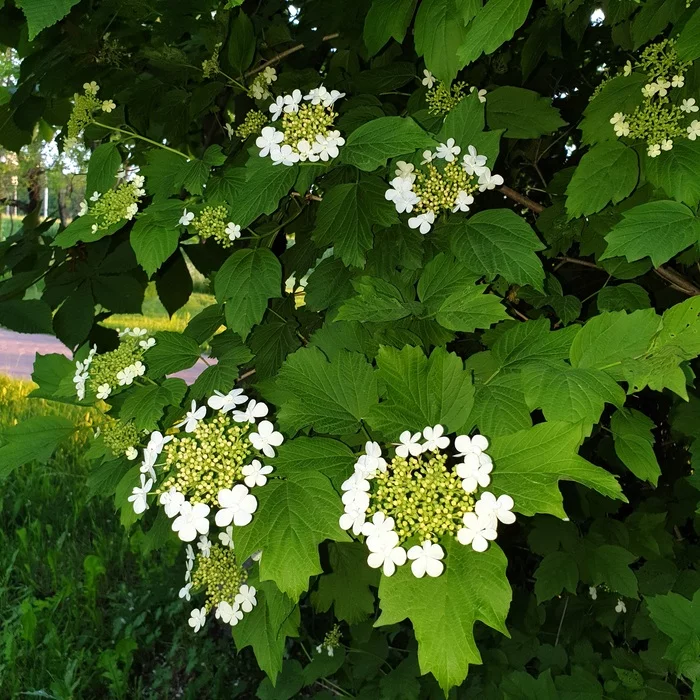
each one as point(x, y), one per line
point(105, 367)
point(306, 123)
point(438, 189)
point(218, 575)
point(211, 223)
point(442, 99)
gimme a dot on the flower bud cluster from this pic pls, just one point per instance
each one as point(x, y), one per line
point(331, 641)
point(84, 108)
point(442, 98)
point(252, 124)
point(213, 222)
point(420, 497)
point(210, 66)
point(120, 436)
point(259, 88)
point(110, 208)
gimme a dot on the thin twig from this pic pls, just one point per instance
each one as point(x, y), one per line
point(247, 374)
point(576, 261)
point(522, 199)
point(561, 622)
point(284, 54)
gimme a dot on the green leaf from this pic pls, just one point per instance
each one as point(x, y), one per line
point(387, 19)
point(288, 684)
point(294, 516)
point(529, 464)
point(372, 144)
point(376, 300)
point(443, 610)
point(161, 171)
point(438, 32)
point(500, 407)
point(205, 323)
point(224, 374)
point(26, 316)
point(41, 14)
point(317, 454)
point(332, 397)
point(247, 280)
point(33, 438)
point(499, 242)
point(570, 394)
point(102, 168)
point(607, 173)
point(155, 234)
point(623, 297)
point(656, 229)
point(346, 216)
point(421, 391)
point(634, 443)
point(609, 564)
point(524, 114)
point(688, 42)
point(145, 404)
point(464, 123)
point(470, 309)
point(348, 587)
point(240, 46)
point(495, 24)
point(677, 172)
point(74, 320)
point(49, 373)
point(556, 572)
point(172, 352)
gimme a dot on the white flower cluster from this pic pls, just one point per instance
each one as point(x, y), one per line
point(474, 469)
point(237, 504)
point(304, 136)
point(81, 373)
point(259, 87)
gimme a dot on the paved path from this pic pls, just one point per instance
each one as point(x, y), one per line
point(17, 351)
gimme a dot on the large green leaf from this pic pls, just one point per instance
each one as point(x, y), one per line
point(172, 352)
point(41, 14)
point(634, 443)
point(387, 19)
point(145, 404)
point(155, 234)
point(376, 300)
point(556, 572)
point(102, 168)
point(523, 114)
point(315, 454)
point(26, 316)
point(677, 172)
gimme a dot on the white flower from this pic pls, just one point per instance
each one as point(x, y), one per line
point(227, 402)
point(473, 163)
point(377, 530)
point(226, 537)
point(138, 369)
point(172, 501)
point(372, 461)
point(425, 559)
point(622, 129)
point(428, 157)
point(284, 155)
point(255, 473)
point(405, 170)
point(91, 87)
point(204, 546)
point(353, 518)
point(409, 444)
point(83, 208)
point(229, 614)
point(617, 118)
point(689, 106)
point(401, 195)
point(476, 532)
point(185, 592)
point(678, 81)
point(462, 201)
point(650, 90)
point(192, 417)
point(627, 70)
point(229, 130)
point(388, 555)
point(356, 482)
point(327, 147)
point(422, 222)
point(593, 592)
point(620, 607)
point(95, 196)
point(488, 506)
point(276, 109)
point(147, 344)
point(186, 218)
point(192, 520)
point(474, 472)
point(266, 438)
point(268, 139)
point(108, 106)
point(694, 130)
point(237, 505)
point(292, 102)
point(448, 151)
point(157, 441)
point(139, 495)
point(428, 79)
point(149, 459)
point(189, 551)
point(131, 453)
point(330, 98)
point(103, 391)
point(317, 95)
point(355, 499)
point(467, 446)
point(655, 149)
point(260, 92)
point(434, 439)
point(270, 75)
point(306, 151)
point(246, 598)
point(663, 85)
point(254, 409)
point(667, 145)
point(233, 231)
point(489, 181)
point(480, 93)
point(189, 564)
point(197, 619)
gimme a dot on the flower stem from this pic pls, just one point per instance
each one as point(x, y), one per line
point(134, 135)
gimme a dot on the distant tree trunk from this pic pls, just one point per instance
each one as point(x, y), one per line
point(62, 210)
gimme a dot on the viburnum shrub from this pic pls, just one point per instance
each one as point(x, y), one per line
point(445, 439)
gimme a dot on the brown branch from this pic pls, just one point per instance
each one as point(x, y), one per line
point(6, 201)
point(284, 54)
point(576, 261)
point(677, 281)
point(522, 199)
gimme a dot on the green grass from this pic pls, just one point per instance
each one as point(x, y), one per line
point(84, 613)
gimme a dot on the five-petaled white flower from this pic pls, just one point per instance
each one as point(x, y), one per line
point(663, 85)
point(227, 402)
point(191, 521)
point(428, 79)
point(474, 472)
point(622, 129)
point(667, 145)
point(103, 391)
point(353, 519)
point(422, 222)
point(467, 446)
point(185, 592)
point(83, 208)
point(694, 130)
point(627, 70)
point(357, 482)
point(246, 598)
point(266, 439)
point(617, 118)
point(371, 461)
point(270, 75)
point(593, 592)
point(330, 98)
point(186, 218)
point(401, 195)
point(428, 157)
point(229, 130)
point(689, 106)
point(157, 441)
point(147, 344)
point(481, 94)
point(425, 559)
point(228, 614)
point(387, 554)
point(126, 376)
point(473, 163)
point(284, 155)
point(192, 417)
point(255, 473)
point(254, 409)
point(620, 607)
point(409, 444)
point(317, 95)
point(237, 506)
point(405, 170)
point(678, 81)
point(489, 181)
point(233, 231)
point(204, 546)
point(377, 529)
point(172, 501)
point(434, 438)
point(139, 495)
point(650, 89)
point(488, 506)
point(292, 102)
point(131, 453)
point(327, 147)
point(477, 532)
point(448, 151)
point(92, 87)
point(108, 106)
point(462, 201)
point(269, 139)
point(654, 149)
point(197, 619)
point(355, 499)
point(276, 108)
point(226, 537)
